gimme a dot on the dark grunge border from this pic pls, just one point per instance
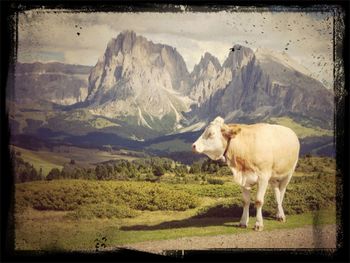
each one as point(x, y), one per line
point(9, 15)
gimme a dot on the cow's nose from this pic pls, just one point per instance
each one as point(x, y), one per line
point(193, 147)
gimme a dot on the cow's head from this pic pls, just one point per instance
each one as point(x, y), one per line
point(214, 140)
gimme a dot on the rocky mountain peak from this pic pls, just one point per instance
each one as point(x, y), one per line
point(139, 81)
point(207, 77)
point(140, 89)
point(265, 84)
point(209, 58)
point(239, 57)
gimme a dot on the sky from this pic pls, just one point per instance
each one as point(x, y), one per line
point(307, 37)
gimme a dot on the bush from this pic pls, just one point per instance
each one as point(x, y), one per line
point(215, 181)
point(155, 197)
point(309, 195)
point(216, 191)
point(68, 195)
point(63, 195)
point(158, 171)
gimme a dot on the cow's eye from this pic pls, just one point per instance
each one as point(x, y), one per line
point(210, 135)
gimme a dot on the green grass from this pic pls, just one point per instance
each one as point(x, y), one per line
point(41, 159)
point(171, 146)
point(129, 212)
point(100, 123)
point(56, 159)
point(300, 130)
point(52, 231)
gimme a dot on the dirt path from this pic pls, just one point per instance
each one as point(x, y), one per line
point(304, 237)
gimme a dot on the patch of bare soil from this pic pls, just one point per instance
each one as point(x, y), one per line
point(304, 237)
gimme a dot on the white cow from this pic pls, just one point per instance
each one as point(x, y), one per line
point(259, 154)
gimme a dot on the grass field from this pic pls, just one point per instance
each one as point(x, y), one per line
point(42, 159)
point(52, 231)
point(59, 156)
point(171, 146)
point(301, 131)
point(72, 214)
point(163, 211)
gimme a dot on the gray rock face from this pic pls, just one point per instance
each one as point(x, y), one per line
point(141, 90)
point(207, 78)
point(266, 84)
point(52, 82)
point(139, 81)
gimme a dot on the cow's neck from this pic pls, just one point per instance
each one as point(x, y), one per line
point(225, 152)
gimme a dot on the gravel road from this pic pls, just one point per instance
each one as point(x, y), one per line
point(304, 237)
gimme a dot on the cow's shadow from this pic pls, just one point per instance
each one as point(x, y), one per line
point(215, 216)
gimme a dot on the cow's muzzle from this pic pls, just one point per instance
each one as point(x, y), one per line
point(194, 149)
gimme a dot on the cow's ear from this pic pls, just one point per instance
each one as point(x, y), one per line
point(218, 120)
point(230, 132)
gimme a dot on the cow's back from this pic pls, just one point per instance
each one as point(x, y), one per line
point(268, 147)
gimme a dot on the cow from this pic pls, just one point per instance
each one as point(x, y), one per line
point(259, 154)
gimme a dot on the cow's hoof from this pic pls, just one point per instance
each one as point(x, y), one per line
point(281, 219)
point(258, 228)
point(241, 225)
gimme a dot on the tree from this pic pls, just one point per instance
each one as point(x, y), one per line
point(101, 172)
point(195, 168)
point(41, 173)
point(158, 171)
point(78, 174)
point(23, 171)
point(53, 174)
point(33, 175)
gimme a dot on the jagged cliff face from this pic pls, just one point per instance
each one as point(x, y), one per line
point(58, 83)
point(207, 78)
point(266, 84)
point(139, 89)
point(139, 81)
point(148, 85)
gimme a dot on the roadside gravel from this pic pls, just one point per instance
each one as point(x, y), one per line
point(304, 237)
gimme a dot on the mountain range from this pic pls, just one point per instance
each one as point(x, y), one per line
point(139, 90)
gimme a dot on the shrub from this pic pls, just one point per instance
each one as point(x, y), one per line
point(195, 168)
point(158, 171)
point(215, 181)
point(216, 191)
point(303, 195)
point(155, 197)
point(63, 195)
point(68, 195)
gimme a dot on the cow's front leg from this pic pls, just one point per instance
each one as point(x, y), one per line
point(246, 202)
point(262, 186)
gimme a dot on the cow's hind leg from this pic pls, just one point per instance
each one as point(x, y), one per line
point(262, 186)
point(280, 213)
point(246, 202)
point(282, 190)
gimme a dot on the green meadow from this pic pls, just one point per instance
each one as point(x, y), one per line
point(71, 214)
